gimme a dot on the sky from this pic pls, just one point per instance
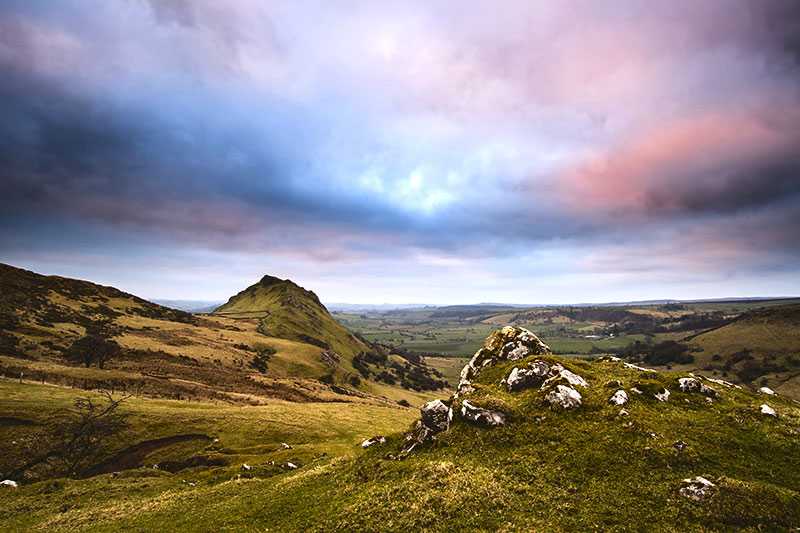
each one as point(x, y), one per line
point(421, 151)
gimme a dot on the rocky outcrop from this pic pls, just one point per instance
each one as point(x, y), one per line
point(481, 416)
point(697, 489)
point(510, 343)
point(564, 397)
point(694, 385)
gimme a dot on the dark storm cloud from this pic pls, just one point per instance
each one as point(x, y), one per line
point(316, 130)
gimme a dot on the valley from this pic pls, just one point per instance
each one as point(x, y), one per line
point(753, 342)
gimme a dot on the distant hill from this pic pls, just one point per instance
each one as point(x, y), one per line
point(77, 333)
point(190, 306)
point(760, 347)
point(288, 311)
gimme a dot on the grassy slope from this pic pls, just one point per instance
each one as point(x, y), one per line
point(586, 469)
point(772, 336)
point(289, 311)
point(318, 433)
point(166, 353)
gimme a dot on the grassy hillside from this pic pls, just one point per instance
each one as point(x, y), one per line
point(52, 328)
point(285, 310)
point(289, 311)
point(591, 467)
point(760, 347)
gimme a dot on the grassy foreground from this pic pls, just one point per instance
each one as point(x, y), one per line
point(576, 470)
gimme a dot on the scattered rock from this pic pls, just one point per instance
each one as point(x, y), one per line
point(613, 384)
point(9, 483)
point(767, 391)
point(564, 397)
point(767, 410)
point(639, 368)
point(378, 439)
point(436, 415)
point(694, 385)
point(285, 446)
point(479, 415)
point(291, 466)
point(623, 412)
point(435, 418)
point(697, 488)
point(533, 376)
point(680, 445)
point(562, 374)
point(619, 398)
point(246, 467)
point(609, 358)
point(662, 395)
point(721, 382)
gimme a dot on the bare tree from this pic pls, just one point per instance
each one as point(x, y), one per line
point(79, 437)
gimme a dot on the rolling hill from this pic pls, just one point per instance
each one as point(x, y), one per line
point(533, 442)
point(760, 347)
point(77, 333)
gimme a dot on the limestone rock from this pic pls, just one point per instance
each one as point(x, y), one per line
point(484, 417)
point(767, 391)
point(694, 385)
point(767, 410)
point(9, 483)
point(533, 376)
point(662, 395)
point(697, 488)
point(564, 397)
point(436, 415)
point(619, 398)
point(378, 439)
point(435, 418)
point(559, 373)
point(510, 343)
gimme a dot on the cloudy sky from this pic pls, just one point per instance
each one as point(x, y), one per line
point(419, 151)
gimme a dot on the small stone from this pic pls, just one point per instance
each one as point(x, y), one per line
point(623, 412)
point(662, 396)
point(619, 398)
point(285, 446)
point(767, 410)
point(9, 483)
point(613, 384)
point(564, 397)
point(291, 466)
point(767, 391)
point(484, 417)
point(378, 439)
point(697, 488)
point(680, 445)
point(247, 467)
point(523, 378)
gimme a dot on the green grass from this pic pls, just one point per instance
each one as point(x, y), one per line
point(571, 471)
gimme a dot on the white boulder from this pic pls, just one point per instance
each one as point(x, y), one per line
point(697, 488)
point(9, 483)
point(767, 391)
point(619, 398)
point(767, 410)
point(564, 397)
